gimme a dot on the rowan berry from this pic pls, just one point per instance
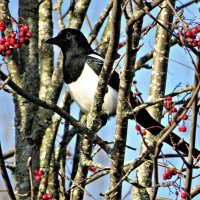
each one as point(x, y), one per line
point(183, 195)
point(92, 169)
point(173, 110)
point(137, 127)
point(12, 34)
point(44, 197)
point(185, 117)
point(29, 34)
point(38, 178)
point(50, 196)
point(2, 23)
point(188, 33)
point(143, 132)
point(25, 27)
point(2, 28)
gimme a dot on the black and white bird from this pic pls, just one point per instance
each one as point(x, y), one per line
point(81, 67)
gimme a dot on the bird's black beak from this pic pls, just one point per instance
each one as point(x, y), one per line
point(56, 40)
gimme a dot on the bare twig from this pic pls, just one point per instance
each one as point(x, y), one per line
point(192, 133)
point(8, 154)
point(79, 186)
point(5, 176)
point(31, 176)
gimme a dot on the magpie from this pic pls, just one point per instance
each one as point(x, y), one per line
point(81, 68)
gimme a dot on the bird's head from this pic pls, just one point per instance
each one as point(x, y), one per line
point(69, 38)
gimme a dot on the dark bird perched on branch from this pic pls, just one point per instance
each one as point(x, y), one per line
point(81, 67)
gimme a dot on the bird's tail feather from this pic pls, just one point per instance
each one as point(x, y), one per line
point(154, 127)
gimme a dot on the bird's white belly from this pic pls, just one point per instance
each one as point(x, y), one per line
point(83, 91)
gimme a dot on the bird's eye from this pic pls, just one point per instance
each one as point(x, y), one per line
point(68, 36)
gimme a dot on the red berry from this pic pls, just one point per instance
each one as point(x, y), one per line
point(143, 132)
point(168, 98)
point(92, 169)
point(2, 40)
point(174, 172)
point(22, 29)
point(194, 44)
point(194, 31)
point(173, 110)
point(188, 33)
point(183, 195)
point(40, 172)
point(184, 128)
point(12, 34)
point(164, 176)
point(36, 172)
point(21, 40)
point(167, 105)
point(180, 128)
point(137, 127)
point(22, 33)
point(2, 23)
point(168, 172)
point(2, 47)
point(7, 44)
point(185, 117)
point(7, 38)
point(2, 28)
point(16, 45)
point(12, 41)
point(25, 28)
point(169, 176)
point(8, 52)
point(38, 178)
point(29, 34)
point(44, 197)
point(50, 196)
point(190, 40)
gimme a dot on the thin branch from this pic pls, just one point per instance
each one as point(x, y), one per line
point(192, 133)
point(8, 154)
point(79, 186)
point(29, 164)
point(5, 176)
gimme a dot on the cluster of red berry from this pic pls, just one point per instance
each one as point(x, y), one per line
point(183, 128)
point(169, 104)
point(191, 35)
point(47, 196)
point(141, 131)
point(38, 178)
point(14, 39)
point(169, 173)
point(183, 194)
point(39, 174)
point(172, 109)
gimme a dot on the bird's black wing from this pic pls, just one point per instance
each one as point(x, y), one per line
point(96, 65)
